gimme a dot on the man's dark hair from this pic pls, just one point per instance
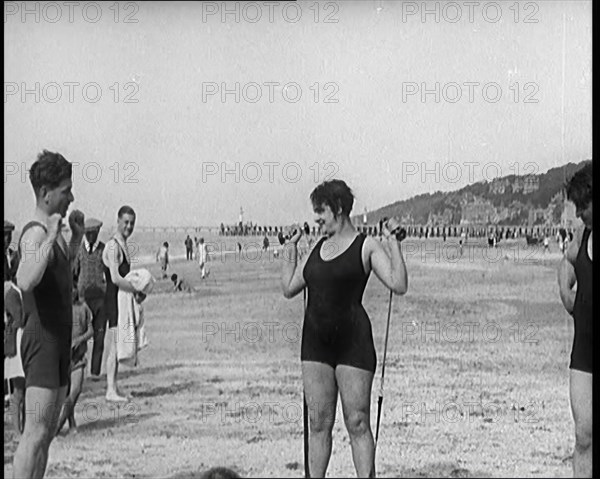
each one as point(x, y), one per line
point(49, 170)
point(165, 244)
point(125, 210)
point(173, 277)
point(579, 187)
point(334, 193)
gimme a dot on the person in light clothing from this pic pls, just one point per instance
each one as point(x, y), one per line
point(116, 259)
point(131, 333)
point(203, 258)
point(162, 256)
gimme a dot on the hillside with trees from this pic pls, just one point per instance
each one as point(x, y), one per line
point(510, 200)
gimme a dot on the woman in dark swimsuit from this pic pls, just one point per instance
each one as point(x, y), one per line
point(337, 349)
point(576, 269)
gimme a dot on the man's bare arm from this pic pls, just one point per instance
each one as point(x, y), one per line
point(113, 259)
point(36, 249)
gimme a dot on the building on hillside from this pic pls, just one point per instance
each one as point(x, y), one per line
point(407, 219)
point(499, 186)
point(568, 218)
point(444, 218)
point(536, 216)
point(526, 184)
point(478, 212)
point(531, 184)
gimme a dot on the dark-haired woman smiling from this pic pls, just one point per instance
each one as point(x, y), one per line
point(337, 349)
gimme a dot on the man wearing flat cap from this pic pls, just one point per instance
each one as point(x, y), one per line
point(90, 274)
point(11, 260)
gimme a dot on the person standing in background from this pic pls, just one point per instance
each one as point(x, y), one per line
point(116, 259)
point(11, 259)
point(83, 330)
point(162, 256)
point(202, 258)
point(189, 248)
point(90, 274)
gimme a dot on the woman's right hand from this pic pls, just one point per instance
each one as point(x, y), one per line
point(393, 228)
point(390, 227)
point(295, 233)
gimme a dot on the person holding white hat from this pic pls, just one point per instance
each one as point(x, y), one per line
point(116, 258)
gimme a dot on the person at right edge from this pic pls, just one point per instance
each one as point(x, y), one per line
point(575, 272)
point(337, 350)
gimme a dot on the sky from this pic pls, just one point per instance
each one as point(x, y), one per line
point(190, 111)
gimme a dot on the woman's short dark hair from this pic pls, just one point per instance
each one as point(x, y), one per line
point(219, 473)
point(334, 193)
point(49, 170)
point(125, 210)
point(579, 187)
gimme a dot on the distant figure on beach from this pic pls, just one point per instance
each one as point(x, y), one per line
point(462, 241)
point(561, 235)
point(566, 242)
point(265, 243)
point(162, 256)
point(189, 248)
point(179, 284)
point(203, 259)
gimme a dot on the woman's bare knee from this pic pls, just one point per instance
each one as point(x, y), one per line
point(357, 423)
point(583, 436)
point(322, 417)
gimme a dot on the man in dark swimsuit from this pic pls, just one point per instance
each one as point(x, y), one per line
point(337, 350)
point(576, 269)
point(45, 279)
